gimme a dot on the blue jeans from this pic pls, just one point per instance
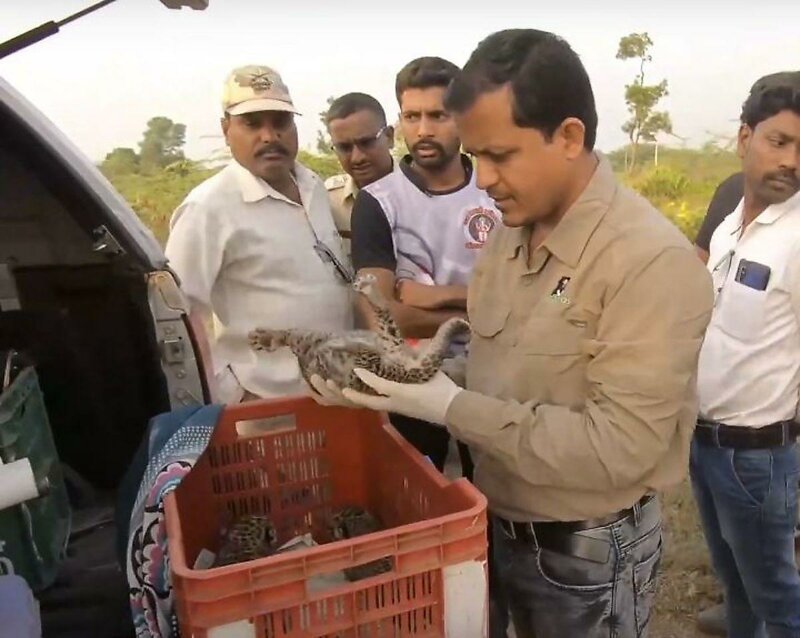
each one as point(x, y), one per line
point(748, 507)
point(555, 595)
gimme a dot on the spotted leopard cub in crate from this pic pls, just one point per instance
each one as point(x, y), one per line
point(249, 537)
point(351, 522)
point(383, 352)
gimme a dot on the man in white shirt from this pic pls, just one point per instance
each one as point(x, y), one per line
point(256, 246)
point(744, 458)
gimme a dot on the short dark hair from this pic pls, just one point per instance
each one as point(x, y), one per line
point(425, 73)
point(350, 103)
point(547, 78)
point(770, 95)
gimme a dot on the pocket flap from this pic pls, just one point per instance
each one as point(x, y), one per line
point(487, 321)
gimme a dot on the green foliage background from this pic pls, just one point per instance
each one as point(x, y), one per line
point(680, 186)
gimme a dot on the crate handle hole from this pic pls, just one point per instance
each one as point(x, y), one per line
point(254, 428)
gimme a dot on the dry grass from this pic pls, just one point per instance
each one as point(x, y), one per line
point(687, 584)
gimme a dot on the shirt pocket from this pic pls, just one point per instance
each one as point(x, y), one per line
point(489, 320)
point(551, 353)
point(741, 311)
point(488, 305)
point(553, 336)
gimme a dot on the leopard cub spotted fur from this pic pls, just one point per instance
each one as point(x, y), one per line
point(352, 522)
point(383, 352)
point(249, 537)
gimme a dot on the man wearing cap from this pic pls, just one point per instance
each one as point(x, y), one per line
point(744, 457)
point(255, 245)
point(362, 141)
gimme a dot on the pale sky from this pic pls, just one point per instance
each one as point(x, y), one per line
point(105, 75)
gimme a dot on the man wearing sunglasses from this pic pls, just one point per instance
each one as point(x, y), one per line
point(362, 141)
point(255, 245)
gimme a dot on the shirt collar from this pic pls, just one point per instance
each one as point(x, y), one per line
point(733, 222)
point(254, 189)
point(350, 188)
point(416, 179)
point(774, 212)
point(568, 239)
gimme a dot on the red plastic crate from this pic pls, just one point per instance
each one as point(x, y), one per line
point(325, 458)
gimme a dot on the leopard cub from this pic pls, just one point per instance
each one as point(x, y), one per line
point(383, 352)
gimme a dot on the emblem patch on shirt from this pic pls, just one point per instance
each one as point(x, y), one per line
point(558, 291)
point(478, 223)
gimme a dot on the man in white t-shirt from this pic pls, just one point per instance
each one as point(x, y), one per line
point(744, 456)
point(420, 228)
point(419, 231)
point(256, 246)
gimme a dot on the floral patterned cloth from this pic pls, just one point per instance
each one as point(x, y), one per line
point(173, 450)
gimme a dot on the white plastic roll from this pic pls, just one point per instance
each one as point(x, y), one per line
point(17, 483)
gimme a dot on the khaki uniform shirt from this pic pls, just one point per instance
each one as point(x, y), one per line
point(342, 191)
point(580, 390)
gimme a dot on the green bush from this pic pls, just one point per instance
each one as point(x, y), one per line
point(682, 199)
point(155, 196)
point(323, 165)
point(687, 218)
point(662, 183)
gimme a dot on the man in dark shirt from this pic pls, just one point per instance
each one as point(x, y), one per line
point(726, 198)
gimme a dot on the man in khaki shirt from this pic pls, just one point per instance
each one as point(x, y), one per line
point(362, 141)
point(342, 191)
point(588, 309)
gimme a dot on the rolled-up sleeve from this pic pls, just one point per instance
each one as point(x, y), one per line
point(640, 375)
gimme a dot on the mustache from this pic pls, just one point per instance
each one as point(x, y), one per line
point(428, 144)
point(273, 147)
point(786, 176)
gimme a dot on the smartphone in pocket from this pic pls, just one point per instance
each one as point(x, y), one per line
point(752, 274)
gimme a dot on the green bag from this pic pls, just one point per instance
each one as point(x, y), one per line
point(33, 534)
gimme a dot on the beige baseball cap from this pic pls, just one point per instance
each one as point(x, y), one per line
point(255, 88)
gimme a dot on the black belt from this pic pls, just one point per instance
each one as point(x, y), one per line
point(715, 434)
point(561, 537)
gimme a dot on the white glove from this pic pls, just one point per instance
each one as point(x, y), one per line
point(456, 369)
point(427, 401)
point(327, 393)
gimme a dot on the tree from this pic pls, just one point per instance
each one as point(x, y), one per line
point(161, 144)
point(641, 98)
point(323, 139)
point(120, 161)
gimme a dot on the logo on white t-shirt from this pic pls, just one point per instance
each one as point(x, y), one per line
point(478, 223)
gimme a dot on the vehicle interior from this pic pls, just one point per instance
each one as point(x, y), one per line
point(78, 309)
